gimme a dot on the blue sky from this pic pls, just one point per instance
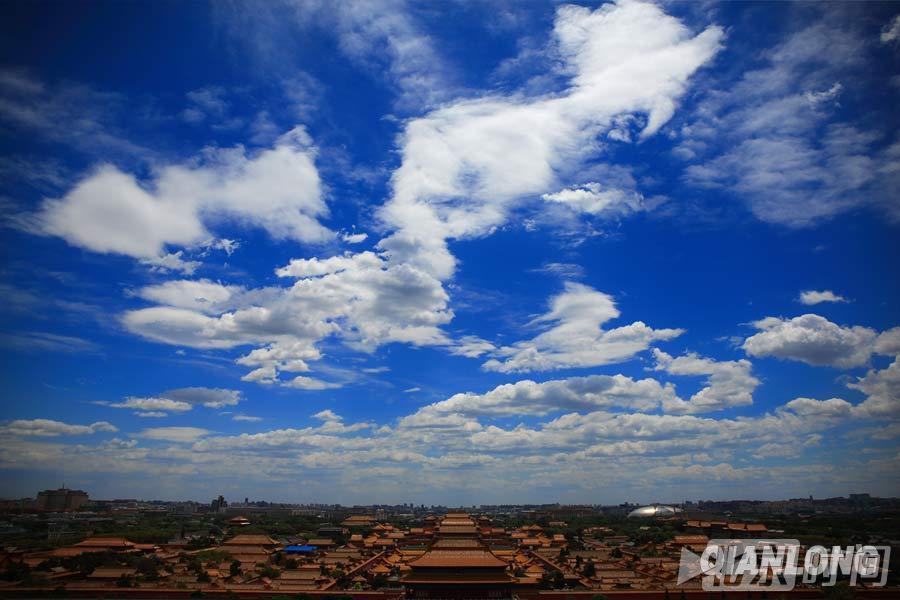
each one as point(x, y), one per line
point(460, 252)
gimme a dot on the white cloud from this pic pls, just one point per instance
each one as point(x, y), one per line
point(178, 400)
point(302, 382)
point(174, 434)
point(812, 339)
point(327, 415)
point(771, 138)
point(207, 103)
point(412, 390)
point(809, 407)
point(471, 346)
point(527, 397)
point(208, 397)
point(314, 267)
point(172, 261)
point(66, 112)
point(151, 405)
point(200, 295)
point(817, 98)
point(51, 428)
point(361, 298)
point(246, 418)
point(47, 342)
point(592, 198)
point(811, 297)
point(354, 238)
point(384, 36)
point(888, 342)
point(576, 337)
point(729, 382)
point(562, 270)
point(891, 31)
point(882, 388)
point(444, 445)
point(111, 212)
point(227, 246)
point(467, 164)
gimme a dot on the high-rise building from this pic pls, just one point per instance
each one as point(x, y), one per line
point(61, 499)
point(218, 505)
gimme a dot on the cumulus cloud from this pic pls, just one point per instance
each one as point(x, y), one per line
point(592, 198)
point(888, 342)
point(208, 397)
point(51, 428)
point(200, 295)
point(812, 339)
point(109, 211)
point(729, 383)
point(882, 390)
point(468, 163)
point(527, 397)
point(178, 400)
point(362, 298)
point(610, 437)
point(575, 337)
point(812, 297)
point(809, 407)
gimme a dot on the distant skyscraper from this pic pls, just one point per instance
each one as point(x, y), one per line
point(219, 504)
point(61, 499)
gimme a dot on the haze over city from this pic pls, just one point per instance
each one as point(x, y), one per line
point(458, 253)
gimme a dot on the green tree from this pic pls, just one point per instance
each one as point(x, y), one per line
point(559, 580)
point(235, 569)
point(148, 568)
point(270, 572)
point(17, 571)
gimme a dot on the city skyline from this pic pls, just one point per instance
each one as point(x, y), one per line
point(237, 503)
point(494, 253)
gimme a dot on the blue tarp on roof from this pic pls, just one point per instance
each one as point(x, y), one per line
point(300, 549)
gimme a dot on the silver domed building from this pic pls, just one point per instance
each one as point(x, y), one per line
point(654, 511)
